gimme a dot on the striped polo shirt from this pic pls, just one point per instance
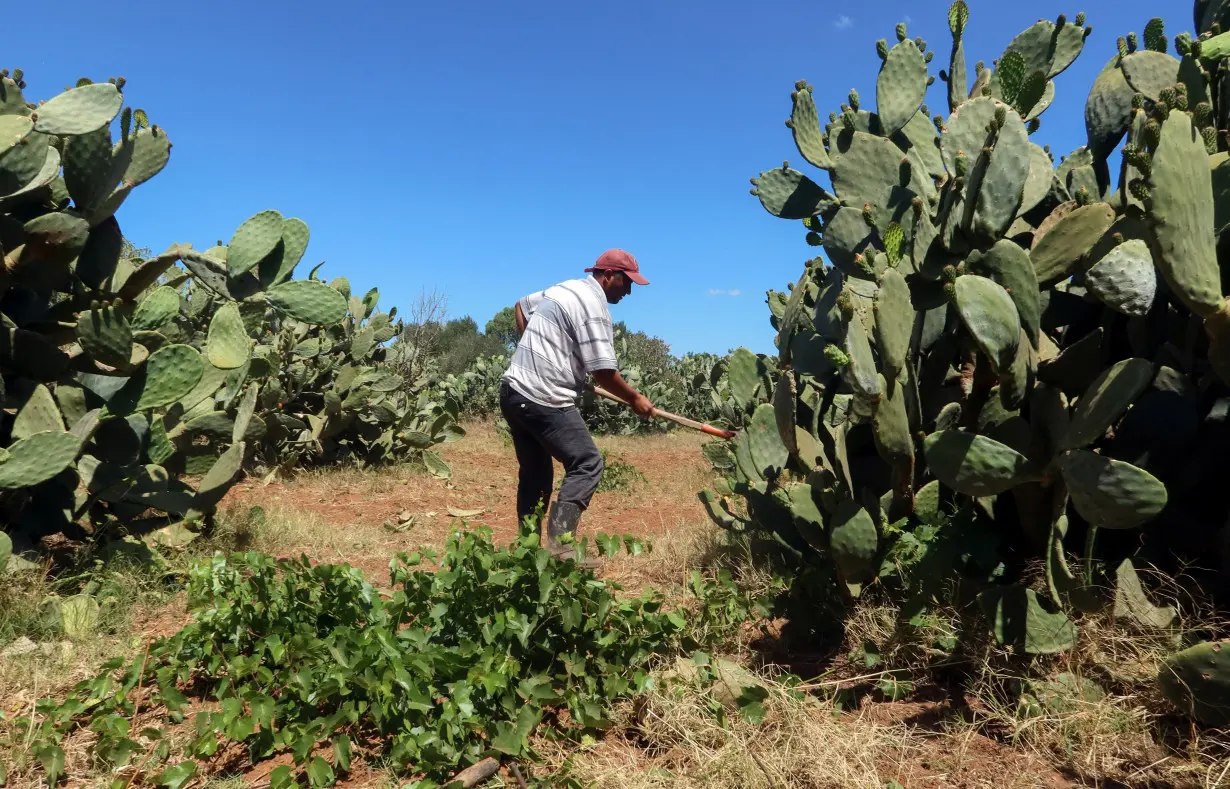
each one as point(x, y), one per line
point(568, 334)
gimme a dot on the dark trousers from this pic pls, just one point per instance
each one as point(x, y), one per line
point(540, 433)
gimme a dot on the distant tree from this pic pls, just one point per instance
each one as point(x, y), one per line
point(503, 327)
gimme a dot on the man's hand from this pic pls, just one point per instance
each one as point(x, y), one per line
point(614, 383)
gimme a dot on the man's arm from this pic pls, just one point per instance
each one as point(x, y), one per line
point(613, 382)
point(519, 319)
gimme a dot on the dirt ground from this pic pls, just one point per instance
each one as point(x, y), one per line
point(350, 508)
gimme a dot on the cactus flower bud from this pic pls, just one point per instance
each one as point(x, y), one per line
point(1122, 44)
point(928, 57)
point(1083, 197)
point(1001, 115)
point(869, 215)
point(949, 273)
point(901, 34)
point(1132, 42)
point(882, 49)
point(1034, 125)
point(1080, 19)
point(1117, 238)
point(854, 99)
point(950, 291)
point(1139, 189)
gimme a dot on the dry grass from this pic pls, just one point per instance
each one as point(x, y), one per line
point(674, 738)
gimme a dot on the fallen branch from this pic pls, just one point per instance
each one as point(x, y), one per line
point(474, 775)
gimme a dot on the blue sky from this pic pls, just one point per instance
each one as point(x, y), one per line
point(485, 150)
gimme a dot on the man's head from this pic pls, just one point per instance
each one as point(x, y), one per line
point(616, 270)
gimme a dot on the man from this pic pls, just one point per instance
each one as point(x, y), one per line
point(565, 333)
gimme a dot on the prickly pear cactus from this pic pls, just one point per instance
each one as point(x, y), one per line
point(1009, 332)
point(125, 377)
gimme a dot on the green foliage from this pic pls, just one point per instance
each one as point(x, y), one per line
point(467, 655)
point(1042, 368)
point(128, 379)
point(618, 475)
point(503, 327)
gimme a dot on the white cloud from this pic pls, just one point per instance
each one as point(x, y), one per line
point(842, 22)
point(720, 292)
point(907, 19)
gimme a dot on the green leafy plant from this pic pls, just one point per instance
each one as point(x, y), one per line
point(472, 652)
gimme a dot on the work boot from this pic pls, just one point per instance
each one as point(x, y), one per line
point(563, 519)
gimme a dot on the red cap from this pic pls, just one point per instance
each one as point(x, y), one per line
point(618, 260)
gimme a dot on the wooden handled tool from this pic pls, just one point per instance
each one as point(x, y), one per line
point(679, 420)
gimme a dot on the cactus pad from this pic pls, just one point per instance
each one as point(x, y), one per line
point(719, 516)
point(901, 86)
point(1019, 620)
point(1150, 72)
point(1070, 239)
point(1108, 110)
point(975, 465)
point(1133, 605)
point(765, 442)
point(170, 373)
point(785, 399)
point(805, 126)
point(39, 414)
point(788, 194)
point(1181, 216)
point(308, 301)
point(37, 458)
point(990, 316)
point(80, 110)
point(104, 333)
point(1125, 279)
point(1197, 682)
point(1010, 267)
point(894, 321)
point(1038, 184)
point(891, 426)
point(999, 177)
point(79, 616)
point(807, 517)
point(1107, 399)
point(870, 169)
point(157, 309)
point(861, 371)
point(744, 371)
point(228, 345)
point(253, 241)
point(1111, 494)
point(854, 542)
